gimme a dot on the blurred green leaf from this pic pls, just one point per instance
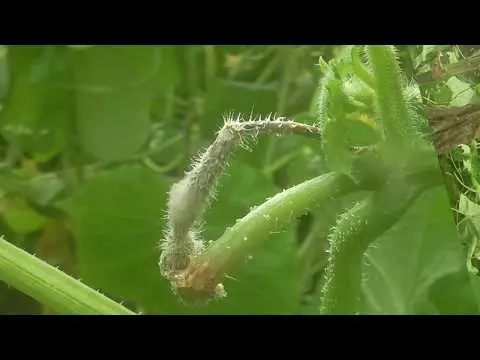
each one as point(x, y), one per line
point(36, 112)
point(4, 72)
point(335, 147)
point(441, 94)
point(454, 294)
point(462, 92)
point(471, 211)
point(427, 55)
point(80, 47)
point(475, 286)
point(421, 248)
point(227, 96)
point(305, 118)
point(44, 188)
point(362, 130)
point(56, 100)
point(117, 224)
point(21, 217)
point(117, 221)
point(306, 165)
point(114, 87)
point(168, 72)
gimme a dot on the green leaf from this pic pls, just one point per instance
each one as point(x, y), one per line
point(80, 47)
point(345, 128)
point(37, 113)
point(358, 93)
point(225, 96)
point(168, 72)
point(427, 55)
point(4, 72)
point(21, 217)
point(117, 221)
point(475, 284)
point(339, 103)
point(441, 94)
point(296, 158)
point(243, 98)
point(337, 153)
point(403, 263)
point(343, 61)
point(305, 118)
point(470, 210)
point(306, 163)
point(113, 96)
point(361, 130)
point(44, 188)
point(462, 92)
point(454, 294)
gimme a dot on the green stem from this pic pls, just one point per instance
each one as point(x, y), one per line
point(240, 241)
point(391, 104)
point(51, 286)
point(360, 69)
point(358, 228)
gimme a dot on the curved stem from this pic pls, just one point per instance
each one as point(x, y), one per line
point(201, 279)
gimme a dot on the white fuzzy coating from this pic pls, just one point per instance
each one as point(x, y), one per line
point(176, 254)
point(189, 197)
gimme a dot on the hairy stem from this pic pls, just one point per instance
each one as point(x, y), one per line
point(52, 287)
point(391, 103)
point(190, 196)
point(360, 69)
point(201, 280)
point(357, 229)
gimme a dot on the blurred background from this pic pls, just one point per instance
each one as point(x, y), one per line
point(92, 137)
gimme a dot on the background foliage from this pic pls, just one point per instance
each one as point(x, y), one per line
point(92, 137)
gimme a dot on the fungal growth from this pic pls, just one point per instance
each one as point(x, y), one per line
point(191, 196)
